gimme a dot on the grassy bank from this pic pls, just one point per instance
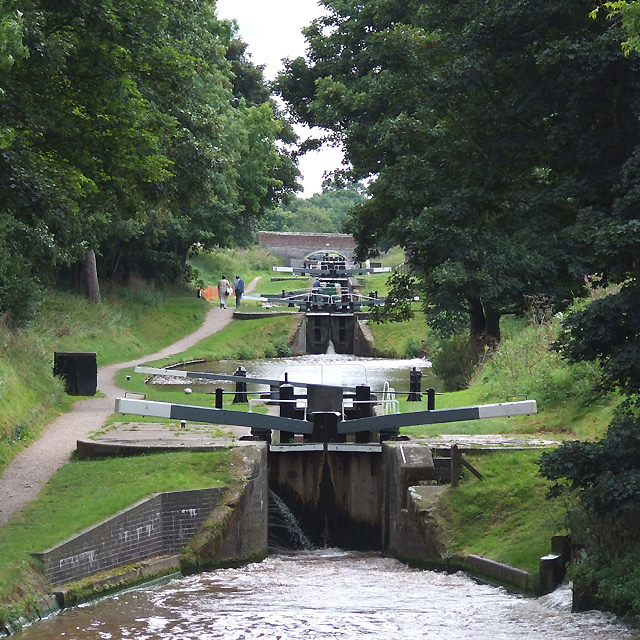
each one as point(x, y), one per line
point(504, 517)
point(128, 323)
point(83, 493)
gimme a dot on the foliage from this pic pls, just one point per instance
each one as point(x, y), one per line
point(249, 262)
point(476, 125)
point(605, 473)
point(525, 365)
point(326, 212)
point(453, 362)
point(628, 13)
point(599, 583)
point(125, 131)
point(397, 306)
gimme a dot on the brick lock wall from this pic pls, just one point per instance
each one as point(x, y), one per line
point(158, 525)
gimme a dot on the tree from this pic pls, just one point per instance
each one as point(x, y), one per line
point(325, 212)
point(477, 126)
point(121, 138)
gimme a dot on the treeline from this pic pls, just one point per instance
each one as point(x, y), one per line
point(129, 133)
point(326, 212)
point(502, 144)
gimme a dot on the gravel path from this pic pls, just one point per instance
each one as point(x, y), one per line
point(30, 470)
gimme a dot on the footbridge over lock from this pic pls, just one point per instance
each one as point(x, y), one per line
point(337, 457)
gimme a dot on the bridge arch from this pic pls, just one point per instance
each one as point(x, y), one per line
point(294, 248)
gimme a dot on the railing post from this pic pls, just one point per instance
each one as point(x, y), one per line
point(219, 393)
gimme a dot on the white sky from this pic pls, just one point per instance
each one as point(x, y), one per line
point(273, 31)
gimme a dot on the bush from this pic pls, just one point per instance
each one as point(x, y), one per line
point(453, 363)
point(525, 364)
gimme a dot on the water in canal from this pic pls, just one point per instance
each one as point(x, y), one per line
point(327, 594)
point(331, 369)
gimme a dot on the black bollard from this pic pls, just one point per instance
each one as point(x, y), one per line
point(219, 393)
point(415, 382)
point(431, 399)
point(241, 386)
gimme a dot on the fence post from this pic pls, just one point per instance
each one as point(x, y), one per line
point(455, 465)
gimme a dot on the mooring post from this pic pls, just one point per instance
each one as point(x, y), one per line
point(219, 393)
point(241, 386)
point(455, 465)
point(431, 399)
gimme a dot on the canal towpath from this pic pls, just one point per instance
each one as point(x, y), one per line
point(34, 466)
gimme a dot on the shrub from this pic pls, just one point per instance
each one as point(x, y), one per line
point(453, 363)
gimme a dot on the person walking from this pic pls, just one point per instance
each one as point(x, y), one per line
point(224, 290)
point(238, 288)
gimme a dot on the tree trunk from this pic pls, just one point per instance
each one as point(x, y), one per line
point(484, 327)
point(492, 328)
point(90, 277)
point(477, 327)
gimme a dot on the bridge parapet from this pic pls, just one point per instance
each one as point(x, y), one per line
point(293, 248)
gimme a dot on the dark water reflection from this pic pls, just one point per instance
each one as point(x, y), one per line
point(327, 594)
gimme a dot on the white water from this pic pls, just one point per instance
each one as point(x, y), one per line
point(328, 594)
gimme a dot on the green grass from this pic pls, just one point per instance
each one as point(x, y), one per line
point(408, 339)
point(504, 517)
point(127, 324)
point(83, 493)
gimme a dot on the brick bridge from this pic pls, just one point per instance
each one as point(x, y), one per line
point(293, 248)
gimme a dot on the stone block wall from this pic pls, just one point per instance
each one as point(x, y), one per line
point(405, 465)
point(159, 525)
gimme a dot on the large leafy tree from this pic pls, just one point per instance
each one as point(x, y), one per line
point(477, 125)
point(121, 137)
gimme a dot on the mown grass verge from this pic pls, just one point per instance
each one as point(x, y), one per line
point(506, 516)
point(83, 493)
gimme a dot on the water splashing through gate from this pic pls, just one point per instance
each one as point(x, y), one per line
point(285, 532)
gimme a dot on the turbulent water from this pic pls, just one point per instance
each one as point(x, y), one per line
point(327, 594)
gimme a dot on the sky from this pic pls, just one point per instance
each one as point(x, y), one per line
point(272, 30)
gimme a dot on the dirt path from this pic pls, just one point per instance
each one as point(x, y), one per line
point(30, 470)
